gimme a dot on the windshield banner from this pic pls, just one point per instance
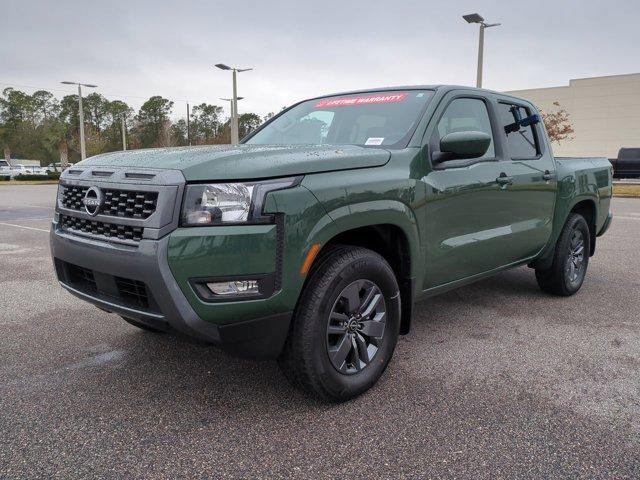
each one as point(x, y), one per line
point(363, 100)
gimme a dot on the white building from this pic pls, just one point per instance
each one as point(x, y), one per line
point(604, 112)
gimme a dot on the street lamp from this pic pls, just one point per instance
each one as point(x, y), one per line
point(476, 18)
point(83, 150)
point(234, 100)
point(233, 114)
point(230, 100)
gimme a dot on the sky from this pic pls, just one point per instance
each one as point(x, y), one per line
point(299, 49)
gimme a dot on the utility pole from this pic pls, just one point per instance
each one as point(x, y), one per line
point(124, 134)
point(476, 18)
point(234, 102)
point(232, 109)
point(83, 149)
point(188, 126)
point(234, 116)
point(480, 57)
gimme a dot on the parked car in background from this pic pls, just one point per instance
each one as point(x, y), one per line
point(627, 165)
point(36, 170)
point(5, 168)
point(19, 169)
point(56, 167)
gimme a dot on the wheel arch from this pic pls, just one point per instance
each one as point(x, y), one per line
point(587, 209)
point(584, 205)
point(394, 244)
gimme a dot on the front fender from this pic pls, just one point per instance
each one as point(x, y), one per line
point(380, 212)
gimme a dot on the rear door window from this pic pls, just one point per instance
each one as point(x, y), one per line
point(522, 143)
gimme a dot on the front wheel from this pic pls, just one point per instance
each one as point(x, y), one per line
point(570, 261)
point(346, 325)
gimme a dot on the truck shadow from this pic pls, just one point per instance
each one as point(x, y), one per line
point(162, 371)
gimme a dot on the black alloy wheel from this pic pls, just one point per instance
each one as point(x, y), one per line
point(356, 325)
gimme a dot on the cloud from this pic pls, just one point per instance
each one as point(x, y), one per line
point(136, 49)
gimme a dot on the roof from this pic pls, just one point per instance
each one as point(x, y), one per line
point(407, 87)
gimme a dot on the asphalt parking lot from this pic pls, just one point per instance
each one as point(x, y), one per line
point(496, 380)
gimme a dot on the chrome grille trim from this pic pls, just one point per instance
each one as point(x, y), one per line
point(138, 204)
point(117, 202)
point(98, 229)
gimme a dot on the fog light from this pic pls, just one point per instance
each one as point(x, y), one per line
point(235, 287)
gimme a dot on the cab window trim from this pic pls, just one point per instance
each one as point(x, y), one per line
point(434, 139)
point(534, 129)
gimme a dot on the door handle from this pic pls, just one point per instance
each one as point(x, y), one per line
point(503, 180)
point(547, 176)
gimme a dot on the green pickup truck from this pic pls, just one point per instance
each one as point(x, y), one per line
point(311, 241)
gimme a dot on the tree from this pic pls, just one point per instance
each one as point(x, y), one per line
point(69, 144)
point(178, 133)
point(247, 123)
point(117, 111)
point(55, 134)
point(224, 133)
point(95, 109)
point(20, 114)
point(152, 122)
point(16, 109)
point(557, 123)
point(42, 127)
point(44, 105)
point(205, 123)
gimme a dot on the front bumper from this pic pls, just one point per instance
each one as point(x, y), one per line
point(137, 283)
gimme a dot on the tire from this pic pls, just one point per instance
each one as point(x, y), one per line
point(141, 326)
point(568, 270)
point(358, 289)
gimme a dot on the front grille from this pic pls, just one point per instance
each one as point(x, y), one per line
point(104, 229)
point(122, 291)
point(82, 278)
point(117, 203)
point(133, 292)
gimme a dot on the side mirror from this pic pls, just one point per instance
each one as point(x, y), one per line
point(459, 145)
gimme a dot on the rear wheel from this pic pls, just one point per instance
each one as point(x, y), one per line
point(141, 326)
point(570, 261)
point(346, 325)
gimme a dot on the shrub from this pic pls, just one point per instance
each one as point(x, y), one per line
point(21, 178)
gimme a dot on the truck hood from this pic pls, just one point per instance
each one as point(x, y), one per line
point(243, 162)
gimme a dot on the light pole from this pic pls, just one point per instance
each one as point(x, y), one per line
point(83, 150)
point(124, 133)
point(188, 125)
point(230, 100)
point(476, 18)
point(234, 100)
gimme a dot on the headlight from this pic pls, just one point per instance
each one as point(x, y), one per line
point(228, 203)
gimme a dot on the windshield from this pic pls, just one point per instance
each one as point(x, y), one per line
point(367, 119)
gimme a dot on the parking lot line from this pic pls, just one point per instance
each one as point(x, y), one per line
point(26, 228)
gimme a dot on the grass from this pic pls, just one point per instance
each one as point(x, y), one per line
point(622, 190)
